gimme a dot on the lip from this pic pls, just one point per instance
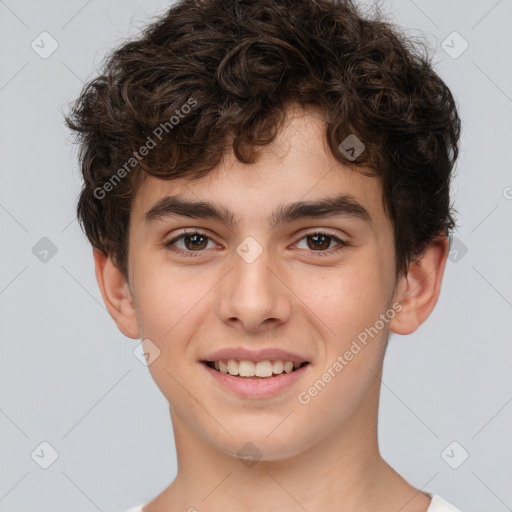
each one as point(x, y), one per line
point(258, 387)
point(271, 354)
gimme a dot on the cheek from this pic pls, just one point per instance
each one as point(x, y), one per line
point(167, 305)
point(348, 307)
point(171, 301)
point(346, 299)
point(165, 294)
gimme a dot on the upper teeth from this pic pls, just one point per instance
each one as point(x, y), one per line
point(255, 369)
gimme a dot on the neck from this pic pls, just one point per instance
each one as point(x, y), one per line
point(343, 472)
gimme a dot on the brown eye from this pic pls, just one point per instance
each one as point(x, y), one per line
point(319, 242)
point(196, 241)
point(193, 242)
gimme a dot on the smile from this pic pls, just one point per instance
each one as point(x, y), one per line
point(255, 370)
point(253, 386)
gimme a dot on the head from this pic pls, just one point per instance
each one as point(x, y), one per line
point(251, 106)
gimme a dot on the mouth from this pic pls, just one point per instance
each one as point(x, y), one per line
point(255, 370)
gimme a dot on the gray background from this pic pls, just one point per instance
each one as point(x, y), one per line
point(70, 378)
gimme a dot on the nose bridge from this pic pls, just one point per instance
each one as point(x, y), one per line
point(252, 292)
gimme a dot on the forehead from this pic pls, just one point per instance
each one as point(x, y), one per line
point(296, 167)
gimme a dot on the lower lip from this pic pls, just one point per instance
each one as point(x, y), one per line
point(259, 387)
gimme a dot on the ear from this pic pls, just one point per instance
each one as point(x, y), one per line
point(116, 294)
point(419, 290)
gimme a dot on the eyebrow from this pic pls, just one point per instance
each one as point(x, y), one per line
point(343, 205)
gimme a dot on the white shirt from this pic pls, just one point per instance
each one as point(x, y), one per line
point(438, 504)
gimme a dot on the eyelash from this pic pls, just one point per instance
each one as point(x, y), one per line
point(184, 234)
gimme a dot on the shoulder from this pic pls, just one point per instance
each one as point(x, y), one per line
point(438, 504)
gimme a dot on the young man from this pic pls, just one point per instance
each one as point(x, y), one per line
point(266, 188)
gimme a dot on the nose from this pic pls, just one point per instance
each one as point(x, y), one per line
point(254, 296)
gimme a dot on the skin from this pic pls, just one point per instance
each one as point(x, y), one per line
point(320, 456)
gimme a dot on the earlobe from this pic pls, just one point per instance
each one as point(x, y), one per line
point(419, 291)
point(116, 294)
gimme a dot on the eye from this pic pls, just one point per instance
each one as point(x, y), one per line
point(196, 242)
point(320, 240)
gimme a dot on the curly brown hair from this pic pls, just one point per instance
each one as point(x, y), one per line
point(211, 76)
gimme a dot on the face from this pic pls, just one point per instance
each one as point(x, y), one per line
point(266, 276)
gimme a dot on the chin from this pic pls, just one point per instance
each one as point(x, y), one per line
point(256, 445)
